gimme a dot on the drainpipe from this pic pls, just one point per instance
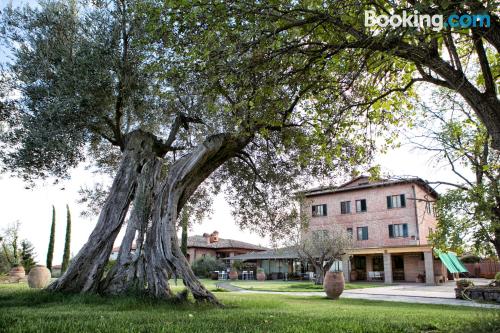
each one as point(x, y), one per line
point(416, 213)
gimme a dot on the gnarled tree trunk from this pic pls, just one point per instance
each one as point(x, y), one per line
point(152, 223)
point(163, 254)
point(129, 273)
point(86, 270)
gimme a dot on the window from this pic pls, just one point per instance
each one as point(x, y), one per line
point(319, 235)
point(345, 207)
point(349, 231)
point(396, 201)
point(429, 208)
point(362, 233)
point(361, 205)
point(398, 230)
point(319, 210)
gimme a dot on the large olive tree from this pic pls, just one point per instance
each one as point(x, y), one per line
point(171, 96)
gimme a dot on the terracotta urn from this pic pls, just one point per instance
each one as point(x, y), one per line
point(17, 273)
point(233, 275)
point(39, 277)
point(354, 275)
point(333, 284)
point(261, 276)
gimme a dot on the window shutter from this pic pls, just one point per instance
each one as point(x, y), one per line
point(405, 230)
point(342, 208)
point(313, 210)
point(403, 200)
point(391, 231)
point(365, 233)
point(324, 210)
point(389, 202)
point(363, 205)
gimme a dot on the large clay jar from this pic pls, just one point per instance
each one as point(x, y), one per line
point(39, 277)
point(261, 276)
point(333, 284)
point(233, 275)
point(354, 275)
point(16, 273)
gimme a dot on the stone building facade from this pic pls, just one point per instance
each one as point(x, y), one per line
point(390, 221)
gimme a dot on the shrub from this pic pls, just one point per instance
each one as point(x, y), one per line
point(497, 277)
point(470, 259)
point(464, 283)
point(203, 266)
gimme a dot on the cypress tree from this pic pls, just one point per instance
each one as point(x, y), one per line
point(50, 251)
point(67, 243)
point(184, 235)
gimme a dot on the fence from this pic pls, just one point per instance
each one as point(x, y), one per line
point(485, 269)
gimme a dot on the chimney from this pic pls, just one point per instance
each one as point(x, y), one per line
point(207, 237)
point(214, 237)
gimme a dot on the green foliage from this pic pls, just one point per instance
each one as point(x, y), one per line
point(10, 244)
point(469, 210)
point(237, 265)
point(27, 255)
point(202, 267)
point(109, 265)
point(497, 277)
point(50, 250)
point(67, 242)
point(14, 253)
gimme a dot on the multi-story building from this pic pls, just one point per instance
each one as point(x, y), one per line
point(389, 220)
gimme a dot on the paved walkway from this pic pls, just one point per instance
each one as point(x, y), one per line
point(406, 293)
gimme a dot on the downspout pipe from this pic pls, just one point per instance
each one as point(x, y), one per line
point(416, 213)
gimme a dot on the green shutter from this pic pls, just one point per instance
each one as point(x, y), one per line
point(324, 210)
point(405, 230)
point(363, 205)
point(391, 231)
point(389, 202)
point(403, 200)
point(365, 233)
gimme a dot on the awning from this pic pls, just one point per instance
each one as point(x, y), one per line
point(451, 261)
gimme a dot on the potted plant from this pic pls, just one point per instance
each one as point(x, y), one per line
point(334, 284)
point(235, 267)
point(17, 273)
point(261, 275)
point(462, 286)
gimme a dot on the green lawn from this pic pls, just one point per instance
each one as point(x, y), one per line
point(209, 284)
point(295, 285)
point(24, 310)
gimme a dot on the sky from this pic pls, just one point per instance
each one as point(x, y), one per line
point(33, 207)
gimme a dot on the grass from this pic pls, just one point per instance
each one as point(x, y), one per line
point(25, 310)
point(294, 285)
point(209, 284)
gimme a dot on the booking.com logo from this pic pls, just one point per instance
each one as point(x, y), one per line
point(435, 22)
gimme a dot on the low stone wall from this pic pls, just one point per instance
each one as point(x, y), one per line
point(480, 293)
